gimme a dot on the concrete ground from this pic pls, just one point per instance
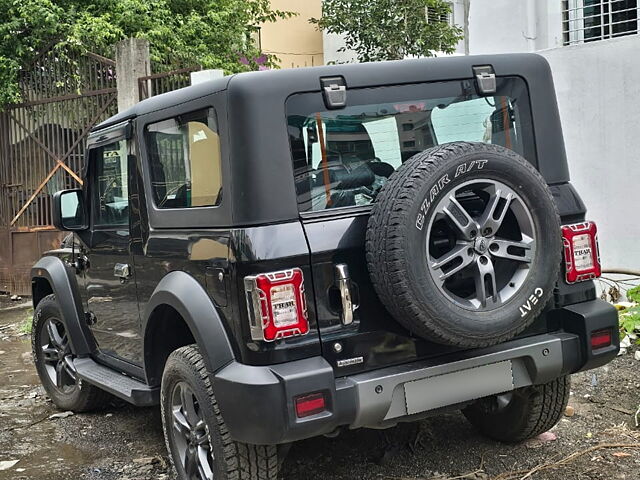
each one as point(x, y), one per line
point(599, 441)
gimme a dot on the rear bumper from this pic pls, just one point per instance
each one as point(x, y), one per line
point(257, 403)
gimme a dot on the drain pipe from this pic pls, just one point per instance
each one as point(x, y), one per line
point(531, 32)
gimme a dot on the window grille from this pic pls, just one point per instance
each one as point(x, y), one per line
point(592, 20)
point(434, 16)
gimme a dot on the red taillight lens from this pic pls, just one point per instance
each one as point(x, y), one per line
point(276, 304)
point(600, 339)
point(310, 405)
point(581, 254)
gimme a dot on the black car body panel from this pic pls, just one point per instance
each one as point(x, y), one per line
point(190, 263)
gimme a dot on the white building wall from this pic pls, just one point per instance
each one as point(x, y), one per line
point(598, 91)
point(509, 26)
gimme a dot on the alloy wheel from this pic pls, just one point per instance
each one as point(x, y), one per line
point(480, 244)
point(190, 434)
point(57, 356)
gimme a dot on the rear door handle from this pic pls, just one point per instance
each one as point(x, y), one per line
point(344, 285)
point(122, 271)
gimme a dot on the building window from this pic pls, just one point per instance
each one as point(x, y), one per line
point(591, 20)
point(435, 15)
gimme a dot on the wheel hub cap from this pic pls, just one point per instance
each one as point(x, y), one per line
point(481, 245)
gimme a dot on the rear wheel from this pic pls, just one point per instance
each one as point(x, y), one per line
point(522, 414)
point(53, 356)
point(197, 438)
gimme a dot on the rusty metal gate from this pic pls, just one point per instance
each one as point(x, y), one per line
point(163, 82)
point(42, 142)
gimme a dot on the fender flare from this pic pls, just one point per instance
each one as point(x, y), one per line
point(65, 287)
point(184, 293)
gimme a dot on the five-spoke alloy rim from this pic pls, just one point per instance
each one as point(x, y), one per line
point(480, 244)
point(57, 355)
point(190, 434)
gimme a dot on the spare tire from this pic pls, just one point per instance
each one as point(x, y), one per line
point(463, 244)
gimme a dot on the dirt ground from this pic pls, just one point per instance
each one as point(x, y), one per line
point(600, 441)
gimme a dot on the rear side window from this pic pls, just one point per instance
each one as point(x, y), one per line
point(185, 161)
point(343, 157)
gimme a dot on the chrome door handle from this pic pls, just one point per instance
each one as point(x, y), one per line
point(122, 270)
point(343, 280)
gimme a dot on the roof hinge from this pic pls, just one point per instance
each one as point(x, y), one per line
point(334, 90)
point(485, 79)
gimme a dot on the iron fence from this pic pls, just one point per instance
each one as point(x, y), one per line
point(164, 82)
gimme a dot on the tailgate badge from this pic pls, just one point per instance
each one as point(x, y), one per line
point(350, 361)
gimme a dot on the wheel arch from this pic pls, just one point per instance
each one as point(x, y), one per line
point(51, 275)
point(179, 313)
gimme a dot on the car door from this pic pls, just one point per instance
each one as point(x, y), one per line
point(109, 277)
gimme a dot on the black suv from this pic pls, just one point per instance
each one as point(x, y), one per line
point(277, 255)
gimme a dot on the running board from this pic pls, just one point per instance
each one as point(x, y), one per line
point(126, 388)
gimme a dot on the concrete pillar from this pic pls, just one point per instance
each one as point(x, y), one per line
point(132, 62)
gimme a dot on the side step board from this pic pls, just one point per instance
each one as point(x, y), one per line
point(126, 388)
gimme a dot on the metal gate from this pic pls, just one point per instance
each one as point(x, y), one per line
point(42, 143)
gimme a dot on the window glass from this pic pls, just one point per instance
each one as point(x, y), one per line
point(343, 157)
point(111, 198)
point(185, 161)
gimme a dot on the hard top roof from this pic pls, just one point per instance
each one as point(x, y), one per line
point(355, 74)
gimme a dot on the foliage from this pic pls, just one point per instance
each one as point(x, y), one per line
point(27, 323)
point(633, 294)
point(390, 29)
point(630, 321)
point(210, 33)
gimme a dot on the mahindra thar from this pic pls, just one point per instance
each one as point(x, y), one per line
point(276, 255)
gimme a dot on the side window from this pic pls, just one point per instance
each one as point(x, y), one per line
point(111, 188)
point(185, 161)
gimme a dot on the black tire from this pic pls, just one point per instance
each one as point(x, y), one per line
point(231, 460)
point(73, 395)
point(529, 412)
point(398, 246)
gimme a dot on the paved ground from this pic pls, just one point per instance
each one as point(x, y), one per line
point(125, 443)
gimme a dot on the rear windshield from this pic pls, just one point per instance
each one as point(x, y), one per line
point(342, 158)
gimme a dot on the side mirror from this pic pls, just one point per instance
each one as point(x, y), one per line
point(69, 211)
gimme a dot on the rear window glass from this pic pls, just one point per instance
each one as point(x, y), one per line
point(185, 161)
point(343, 157)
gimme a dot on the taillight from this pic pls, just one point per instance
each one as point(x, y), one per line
point(600, 339)
point(310, 405)
point(581, 254)
point(276, 304)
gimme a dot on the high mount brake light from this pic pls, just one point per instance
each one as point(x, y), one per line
point(276, 305)
point(581, 254)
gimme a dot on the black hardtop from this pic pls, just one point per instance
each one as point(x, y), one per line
point(260, 157)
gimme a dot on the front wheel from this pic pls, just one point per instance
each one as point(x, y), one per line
point(197, 438)
point(521, 414)
point(53, 356)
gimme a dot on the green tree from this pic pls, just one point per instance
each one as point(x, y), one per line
point(390, 29)
point(211, 33)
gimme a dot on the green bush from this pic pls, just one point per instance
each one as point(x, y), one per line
point(633, 294)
